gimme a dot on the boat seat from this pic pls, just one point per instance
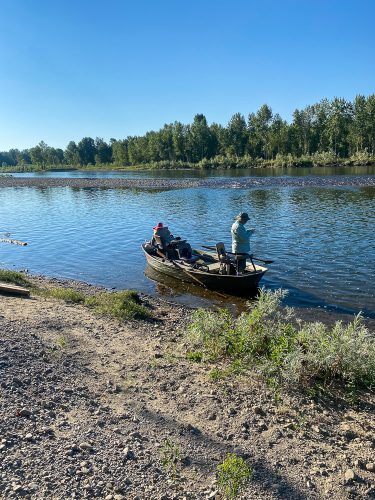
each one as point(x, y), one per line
point(222, 253)
point(214, 267)
point(229, 265)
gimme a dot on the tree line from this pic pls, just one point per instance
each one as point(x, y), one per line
point(336, 128)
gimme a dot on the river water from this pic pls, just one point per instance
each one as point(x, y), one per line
point(322, 239)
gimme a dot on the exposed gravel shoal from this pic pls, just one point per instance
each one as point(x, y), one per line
point(87, 403)
point(247, 182)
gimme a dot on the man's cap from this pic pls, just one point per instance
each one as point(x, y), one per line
point(242, 216)
point(158, 226)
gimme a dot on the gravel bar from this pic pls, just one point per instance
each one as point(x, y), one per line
point(220, 183)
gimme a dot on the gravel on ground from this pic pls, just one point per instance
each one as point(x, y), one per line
point(91, 407)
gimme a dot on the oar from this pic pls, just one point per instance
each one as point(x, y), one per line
point(268, 261)
point(179, 266)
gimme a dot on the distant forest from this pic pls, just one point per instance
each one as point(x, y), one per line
point(324, 133)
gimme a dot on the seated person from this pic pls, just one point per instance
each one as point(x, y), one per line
point(162, 236)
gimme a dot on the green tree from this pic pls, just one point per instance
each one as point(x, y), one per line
point(71, 154)
point(179, 138)
point(120, 152)
point(199, 140)
point(258, 125)
point(278, 137)
point(237, 134)
point(86, 151)
point(358, 127)
point(40, 155)
point(338, 125)
point(103, 151)
point(370, 127)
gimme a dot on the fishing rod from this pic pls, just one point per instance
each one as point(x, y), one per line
point(265, 261)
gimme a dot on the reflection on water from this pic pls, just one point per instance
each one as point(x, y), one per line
point(321, 239)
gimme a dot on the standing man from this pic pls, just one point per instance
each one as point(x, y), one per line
point(241, 240)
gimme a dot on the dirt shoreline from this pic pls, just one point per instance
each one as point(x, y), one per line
point(220, 183)
point(88, 403)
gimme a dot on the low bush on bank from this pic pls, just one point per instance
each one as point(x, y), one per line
point(281, 347)
point(121, 305)
point(14, 277)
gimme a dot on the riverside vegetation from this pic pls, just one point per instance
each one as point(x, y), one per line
point(114, 408)
point(336, 132)
point(282, 348)
point(122, 305)
point(267, 338)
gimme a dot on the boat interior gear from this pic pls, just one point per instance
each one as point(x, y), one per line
point(175, 249)
point(227, 264)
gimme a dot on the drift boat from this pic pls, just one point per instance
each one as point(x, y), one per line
point(213, 270)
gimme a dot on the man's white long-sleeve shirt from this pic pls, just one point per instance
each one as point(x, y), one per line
point(240, 238)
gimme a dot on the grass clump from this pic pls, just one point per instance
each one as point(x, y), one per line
point(66, 294)
point(283, 348)
point(61, 342)
point(170, 457)
point(14, 277)
point(122, 305)
point(233, 475)
point(195, 356)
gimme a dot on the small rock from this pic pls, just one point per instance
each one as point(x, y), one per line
point(289, 425)
point(128, 453)
point(262, 427)
point(349, 475)
point(212, 495)
point(135, 435)
point(85, 446)
point(370, 466)
point(258, 410)
point(24, 412)
point(29, 436)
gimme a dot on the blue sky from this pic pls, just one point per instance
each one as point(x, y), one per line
point(71, 69)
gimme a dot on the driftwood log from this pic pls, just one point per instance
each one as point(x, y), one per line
point(13, 242)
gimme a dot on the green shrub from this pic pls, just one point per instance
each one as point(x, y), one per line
point(283, 348)
point(345, 352)
point(14, 277)
point(122, 305)
point(212, 332)
point(233, 475)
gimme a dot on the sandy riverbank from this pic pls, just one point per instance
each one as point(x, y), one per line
point(88, 403)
